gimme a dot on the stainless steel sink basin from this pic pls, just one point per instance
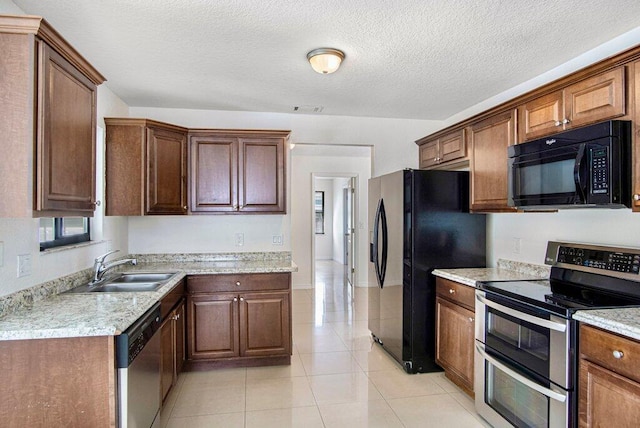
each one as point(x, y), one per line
point(127, 282)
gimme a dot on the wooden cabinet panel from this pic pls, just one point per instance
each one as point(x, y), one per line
point(238, 282)
point(166, 357)
point(542, 116)
point(606, 398)
point(214, 172)
point(429, 154)
point(595, 99)
point(489, 140)
point(456, 292)
point(166, 172)
point(179, 340)
point(448, 148)
point(213, 326)
point(261, 178)
point(598, 346)
point(455, 341)
point(146, 167)
point(635, 126)
point(264, 324)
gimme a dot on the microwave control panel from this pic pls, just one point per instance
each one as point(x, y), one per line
point(600, 259)
point(598, 162)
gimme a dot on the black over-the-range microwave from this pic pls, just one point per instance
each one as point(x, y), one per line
point(580, 168)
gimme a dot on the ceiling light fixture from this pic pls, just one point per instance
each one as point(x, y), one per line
point(325, 60)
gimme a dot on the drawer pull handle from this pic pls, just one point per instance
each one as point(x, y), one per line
point(618, 354)
point(470, 319)
point(238, 283)
point(451, 291)
point(636, 197)
point(558, 123)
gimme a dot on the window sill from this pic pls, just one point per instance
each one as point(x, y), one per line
point(70, 247)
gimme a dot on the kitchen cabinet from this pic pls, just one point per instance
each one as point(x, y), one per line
point(609, 380)
point(591, 100)
point(234, 172)
point(146, 167)
point(455, 321)
point(172, 337)
point(488, 141)
point(48, 104)
point(239, 320)
point(635, 126)
point(443, 151)
point(58, 382)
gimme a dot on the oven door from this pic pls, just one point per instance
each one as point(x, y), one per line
point(557, 176)
point(507, 396)
point(531, 337)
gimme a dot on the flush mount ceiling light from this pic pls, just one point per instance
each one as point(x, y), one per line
point(325, 60)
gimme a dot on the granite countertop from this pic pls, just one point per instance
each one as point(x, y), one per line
point(624, 321)
point(506, 270)
point(107, 314)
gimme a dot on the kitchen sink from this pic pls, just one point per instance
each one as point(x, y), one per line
point(127, 282)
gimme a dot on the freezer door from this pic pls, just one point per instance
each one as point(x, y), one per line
point(373, 290)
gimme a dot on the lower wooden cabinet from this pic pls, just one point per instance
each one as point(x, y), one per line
point(455, 321)
point(172, 348)
point(237, 320)
point(609, 379)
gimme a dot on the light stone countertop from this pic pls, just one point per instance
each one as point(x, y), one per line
point(505, 271)
point(624, 321)
point(107, 314)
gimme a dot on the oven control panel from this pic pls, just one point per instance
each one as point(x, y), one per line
point(617, 261)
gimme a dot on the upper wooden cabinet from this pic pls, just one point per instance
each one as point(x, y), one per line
point(48, 106)
point(443, 151)
point(146, 167)
point(488, 141)
point(635, 184)
point(237, 171)
point(595, 99)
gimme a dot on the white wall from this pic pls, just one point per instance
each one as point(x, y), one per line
point(10, 8)
point(20, 236)
point(338, 220)
point(324, 242)
point(303, 168)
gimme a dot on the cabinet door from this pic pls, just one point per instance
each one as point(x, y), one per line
point(214, 174)
point(66, 149)
point(606, 398)
point(635, 126)
point(213, 326)
point(179, 343)
point(166, 172)
point(261, 175)
point(540, 117)
point(595, 99)
point(452, 146)
point(489, 141)
point(166, 356)
point(429, 154)
point(265, 324)
point(455, 340)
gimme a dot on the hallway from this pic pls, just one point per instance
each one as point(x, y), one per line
point(338, 377)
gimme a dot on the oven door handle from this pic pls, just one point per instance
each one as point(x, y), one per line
point(541, 389)
point(520, 315)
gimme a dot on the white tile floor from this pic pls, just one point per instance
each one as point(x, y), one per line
point(337, 378)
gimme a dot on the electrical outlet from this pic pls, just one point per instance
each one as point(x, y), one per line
point(516, 245)
point(277, 240)
point(1, 253)
point(24, 265)
point(239, 239)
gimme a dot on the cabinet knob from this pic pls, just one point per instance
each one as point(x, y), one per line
point(238, 283)
point(235, 299)
point(566, 121)
point(636, 197)
point(451, 291)
point(618, 354)
point(242, 299)
point(470, 319)
point(558, 123)
point(235, 207)
point(184, 208)
point(96, 203)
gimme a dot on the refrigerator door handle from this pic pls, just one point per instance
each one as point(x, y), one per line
point(376, 237)
point(385, 243)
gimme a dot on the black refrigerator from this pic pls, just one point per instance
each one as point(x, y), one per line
point(419, 221)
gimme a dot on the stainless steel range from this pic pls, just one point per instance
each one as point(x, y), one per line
point(526, 338)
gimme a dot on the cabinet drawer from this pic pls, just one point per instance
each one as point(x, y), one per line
point(171, 299)
point(239, 282)
point(598, 346)
point(456, 292)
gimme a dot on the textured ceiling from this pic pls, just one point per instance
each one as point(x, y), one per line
point(419, 59)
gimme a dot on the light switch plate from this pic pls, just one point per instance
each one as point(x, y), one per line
point(239, 239)
point(1, 253)
point(277, 240)
point(24, 265)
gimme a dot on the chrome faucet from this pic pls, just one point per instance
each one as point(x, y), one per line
point(100, 268)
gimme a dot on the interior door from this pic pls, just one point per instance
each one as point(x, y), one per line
point(349, 233)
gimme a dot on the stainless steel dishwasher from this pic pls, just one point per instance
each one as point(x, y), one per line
point(138, 362)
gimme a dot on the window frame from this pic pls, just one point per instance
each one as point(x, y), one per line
point(61, 240)
point(321, 212)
